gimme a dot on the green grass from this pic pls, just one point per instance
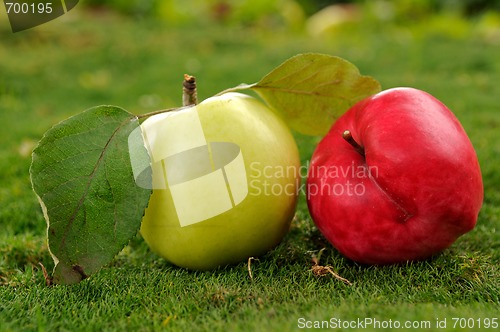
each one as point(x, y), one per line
point(64, 67)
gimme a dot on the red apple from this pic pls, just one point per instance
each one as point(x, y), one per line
point(396, 179)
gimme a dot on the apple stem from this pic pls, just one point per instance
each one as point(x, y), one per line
point(348, 137)
point(189, 91)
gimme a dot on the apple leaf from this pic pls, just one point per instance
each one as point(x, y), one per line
point(310, 91)
point(82, 174)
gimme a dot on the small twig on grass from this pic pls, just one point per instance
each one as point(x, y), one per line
point(249, 266)
point(48, 279)
point(319, 270)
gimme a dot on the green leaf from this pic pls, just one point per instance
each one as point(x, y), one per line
point(310, 91)
point(82, 174)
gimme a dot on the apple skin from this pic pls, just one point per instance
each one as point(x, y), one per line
point(262, 219)
point(424, 188)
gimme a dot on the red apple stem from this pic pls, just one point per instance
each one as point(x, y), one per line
point(189, 96)
point(348, 137)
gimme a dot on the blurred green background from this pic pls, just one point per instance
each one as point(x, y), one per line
point(133, 54)
point(248, 11)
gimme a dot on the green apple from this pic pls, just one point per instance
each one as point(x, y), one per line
point(225, 182)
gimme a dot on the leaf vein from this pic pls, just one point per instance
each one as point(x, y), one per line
point(89, 182)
